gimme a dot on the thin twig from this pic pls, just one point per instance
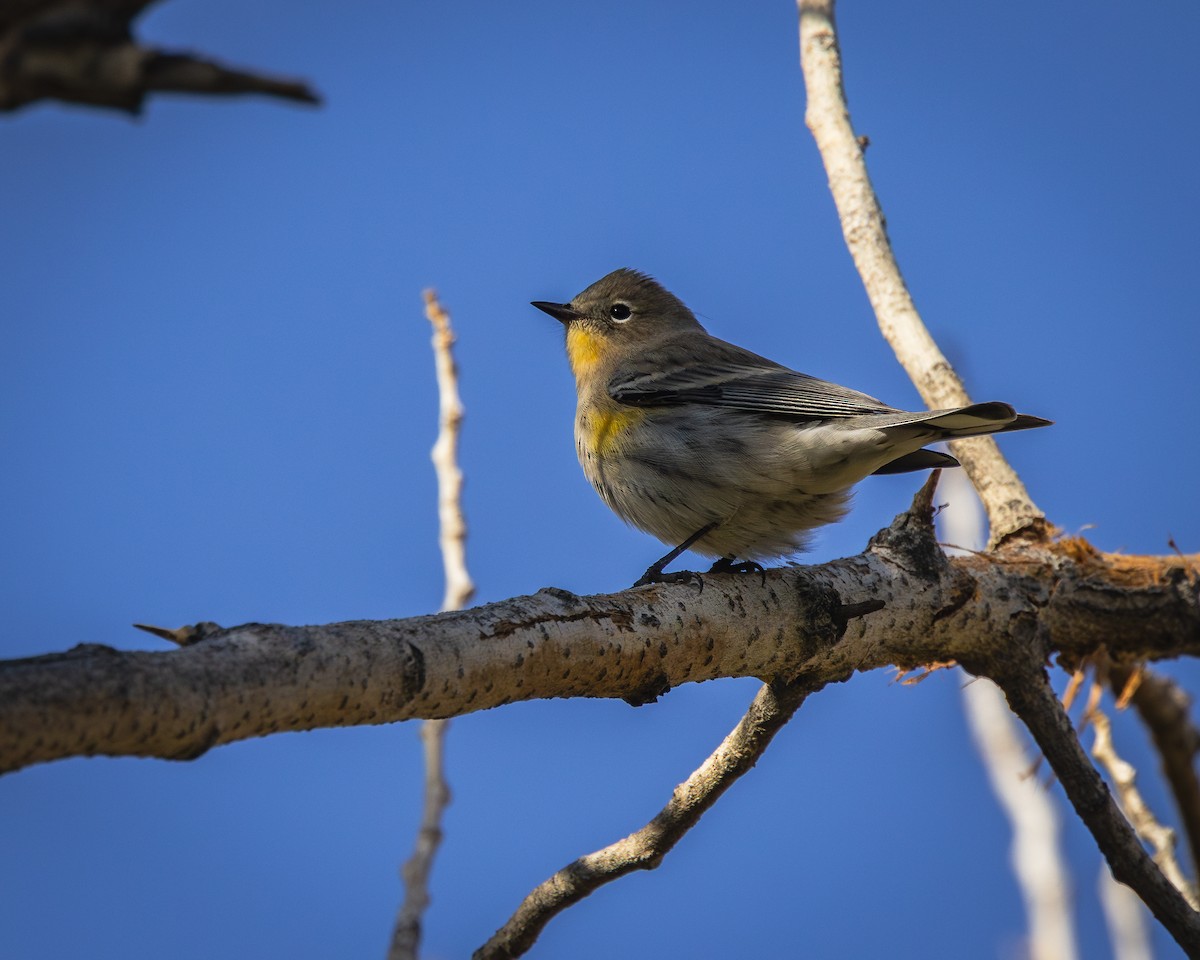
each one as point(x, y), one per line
point(1009, 506)
point(459, 587)
point(406, 936)
point(1124, 778)
point(1165, 709)
point(644, 849)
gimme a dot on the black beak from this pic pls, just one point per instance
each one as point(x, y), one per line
point(559, 311)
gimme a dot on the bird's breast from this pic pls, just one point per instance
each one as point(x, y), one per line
point(598, 431)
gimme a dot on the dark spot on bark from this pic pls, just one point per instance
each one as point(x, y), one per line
point(648, 692)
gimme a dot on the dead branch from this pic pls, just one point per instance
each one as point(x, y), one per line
point(1020, 674)
point(1036, 849)
point(1036, 853)
point(84, 51)
point(644, 849)
point(1124, 778)
point(1165, 709)
point(406, 935)
point(1009, 506)
point(257, 679)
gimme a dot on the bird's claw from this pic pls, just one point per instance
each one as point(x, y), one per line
point(656, 575)
point(729, 565)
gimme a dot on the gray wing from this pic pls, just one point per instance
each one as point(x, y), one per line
point(759, 386)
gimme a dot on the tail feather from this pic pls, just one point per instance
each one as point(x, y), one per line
point(918, 460)
point(976, 420)
point(979, 419)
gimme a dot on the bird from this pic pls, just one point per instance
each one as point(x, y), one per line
point(710, 447)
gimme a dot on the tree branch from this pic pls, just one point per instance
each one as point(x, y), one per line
point(84, 51)
point(1036, 849)
point(1009, 507)
point(257, 679)
point(1020, 674)
point(1165, 709)
point(644, 849)
point(1124, 778)
point(406, 935)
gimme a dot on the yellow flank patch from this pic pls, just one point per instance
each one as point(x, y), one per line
point(606, 426)
point(583, 350)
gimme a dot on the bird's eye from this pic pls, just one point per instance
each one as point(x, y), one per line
point(620, 312)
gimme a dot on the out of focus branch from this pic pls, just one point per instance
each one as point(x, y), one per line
point(406, 936)
point(1009, 507)
point(84, 51)
point(1125, 917)
point(1036, 852)
point(1124, 778)
point(644, 849)
point(1019, 672)
point(1165, 709)
point(453, 527)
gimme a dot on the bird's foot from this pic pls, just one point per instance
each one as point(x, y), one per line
point(654, 574)
point(730, 565)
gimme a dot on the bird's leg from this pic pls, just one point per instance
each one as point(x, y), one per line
point(654, 572)
point(731, 565)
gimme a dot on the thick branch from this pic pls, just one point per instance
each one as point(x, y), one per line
point(256, 679)
point(1008, 504)
point(644, 849)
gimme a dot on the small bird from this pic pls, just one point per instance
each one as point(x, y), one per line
point(712, 448)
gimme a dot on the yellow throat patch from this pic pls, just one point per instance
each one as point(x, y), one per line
point(605, 422)
point(584, 350)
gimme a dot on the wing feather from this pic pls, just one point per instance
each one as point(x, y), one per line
point(759, 386)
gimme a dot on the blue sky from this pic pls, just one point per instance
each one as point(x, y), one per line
point(217, 400)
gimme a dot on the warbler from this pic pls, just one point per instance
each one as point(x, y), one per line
point(708, 446)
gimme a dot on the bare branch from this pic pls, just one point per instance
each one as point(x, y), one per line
point(1036, 850)
point(257, 679)
point(1165, 709)
point(406, 936)
point(1009, 506)
point(772, 707)
point(1124, 778)
point(1124, 915)
point(84, 51)
point(1020, 674)
point(453, 537)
